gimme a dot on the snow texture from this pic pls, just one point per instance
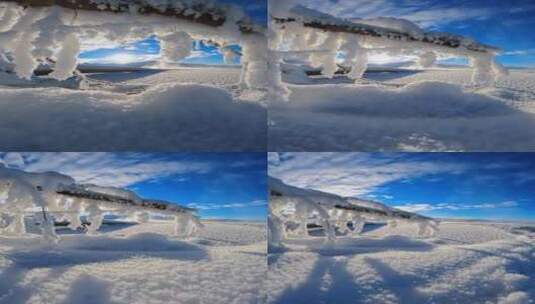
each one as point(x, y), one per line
point(134, 111)
point(138, 263)
point(466, 262)
point(409, 110)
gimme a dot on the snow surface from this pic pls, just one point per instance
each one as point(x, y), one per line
point(411, 110)
point(466, 262)
point(147, 110)
point(138, 263)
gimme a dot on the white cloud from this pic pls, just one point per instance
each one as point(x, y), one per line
point(212, 206)
point(109, 169)
point(520, 52)
point(423, 207)
point(352, 174)
point(425, 13)
point(121, 58)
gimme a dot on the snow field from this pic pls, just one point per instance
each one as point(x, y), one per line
point(421, 115)
point(462, 264)
point(164, 117)
point(134, 265)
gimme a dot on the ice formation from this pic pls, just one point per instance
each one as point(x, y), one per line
point(292, 210)
point(46, 199)
point(322, 40)
point(51, 33)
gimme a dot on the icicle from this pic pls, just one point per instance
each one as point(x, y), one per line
point(498, 69)
point(482, 70)
point(275, 232)
point(327, 56)
point(45, 41)
point(278, 91)
point(46, 224)
point(94, 218)
point(254, 62)
point(67, 58)
point(186, 225)
point(176, 46)
point(24, 62)
point(143, 217)
point(360, 64)
point(427, 59)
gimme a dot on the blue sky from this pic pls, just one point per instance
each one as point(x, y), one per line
point(453, 185)
point(505, 24)
point(149, 48)
point(220, 185)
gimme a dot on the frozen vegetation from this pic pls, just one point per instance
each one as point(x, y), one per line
point(462, 262)
point(186, 108)
point(329, 97)
point(62, 242)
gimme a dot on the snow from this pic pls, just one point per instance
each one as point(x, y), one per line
point(412, 110)
point(475, 262)
point(401, 25)
point(152, 110)
point(138, 263)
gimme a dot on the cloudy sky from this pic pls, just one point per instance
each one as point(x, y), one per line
point(506, 24)
point(461, 185)
point(220, 185)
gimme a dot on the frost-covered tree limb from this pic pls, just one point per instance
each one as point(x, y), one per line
point(203, 12)
point(50, 198)
point(292, 210)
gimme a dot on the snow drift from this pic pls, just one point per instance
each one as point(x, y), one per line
point(423, 115)
point(165, 117)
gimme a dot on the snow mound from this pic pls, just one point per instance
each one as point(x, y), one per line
point(165, 117)
point(422, 99)
point(419, 116)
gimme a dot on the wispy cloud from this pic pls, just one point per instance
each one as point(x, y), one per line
point(520, 52)
point(108, 169)
point(423, 207)
point(352, 174)
point(212, 206)
point(123, 57)
point(426, 13)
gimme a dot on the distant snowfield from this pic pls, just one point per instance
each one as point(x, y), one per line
point(467, 262)
point(138, 264)
point(186, 109)
point(431, 110)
